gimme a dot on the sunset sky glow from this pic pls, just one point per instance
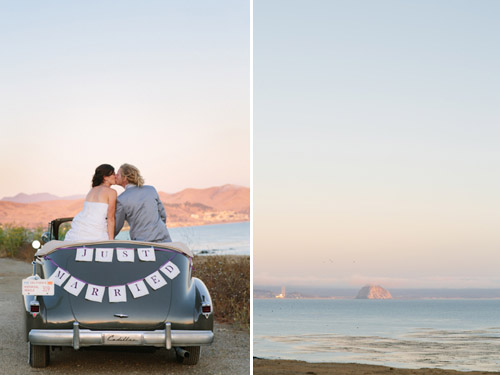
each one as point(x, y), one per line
point(375, 125)
point(376, 129)
point(161, 85)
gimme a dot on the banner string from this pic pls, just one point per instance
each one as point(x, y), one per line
point(46, 257)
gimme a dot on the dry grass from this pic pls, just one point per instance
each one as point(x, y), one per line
point(25, 253)
point(228, 281)
point(15, 241)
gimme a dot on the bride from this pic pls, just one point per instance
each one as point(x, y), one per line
point(96, 222)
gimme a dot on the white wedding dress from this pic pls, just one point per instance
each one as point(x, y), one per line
point(90, 224)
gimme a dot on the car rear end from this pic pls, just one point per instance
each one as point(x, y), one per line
point(118, 293)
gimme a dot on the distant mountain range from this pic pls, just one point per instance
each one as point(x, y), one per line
point(220, 204)
point(41, 197)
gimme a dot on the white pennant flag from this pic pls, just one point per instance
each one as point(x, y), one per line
point(138, 289)
point(170, 270)
point(74, 286)
point(146, 254)
point(155, 280)
point(95, 293)
point(117, 293)
point(84, 254)
point(124, 255)
point(104, 255)
point(59, 276)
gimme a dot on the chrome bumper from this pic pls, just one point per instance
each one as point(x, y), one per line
point(77, 337)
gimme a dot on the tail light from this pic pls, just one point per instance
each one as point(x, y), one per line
point(34, 308)
point(206, 309)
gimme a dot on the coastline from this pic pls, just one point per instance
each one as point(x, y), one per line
point(392, 299)
point(263, 366)
point(186, 225)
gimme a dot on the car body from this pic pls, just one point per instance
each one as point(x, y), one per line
point(103, 298)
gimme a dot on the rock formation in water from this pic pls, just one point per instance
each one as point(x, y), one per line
point(373, 292)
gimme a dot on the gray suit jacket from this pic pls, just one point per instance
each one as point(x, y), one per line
point(143, 210)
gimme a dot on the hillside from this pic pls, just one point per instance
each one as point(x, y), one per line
point(223, 204)
point(223, 198)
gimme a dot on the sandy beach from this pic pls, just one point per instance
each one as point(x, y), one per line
point(288, 367)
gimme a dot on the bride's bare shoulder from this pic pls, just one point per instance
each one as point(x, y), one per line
point(111, 192)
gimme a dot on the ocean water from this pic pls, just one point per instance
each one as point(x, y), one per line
point(450, 334)
point(215, 239)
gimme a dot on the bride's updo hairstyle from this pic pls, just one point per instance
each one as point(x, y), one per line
point(102, 171)
point(132, 174)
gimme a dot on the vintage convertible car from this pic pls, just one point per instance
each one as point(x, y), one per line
point(117, 293)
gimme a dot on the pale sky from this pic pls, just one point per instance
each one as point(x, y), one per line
point(376, 133)
point(163, 85)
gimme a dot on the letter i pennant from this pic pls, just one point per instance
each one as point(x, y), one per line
point(138, 289)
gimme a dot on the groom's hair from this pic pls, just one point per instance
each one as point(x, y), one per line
point(132, 174)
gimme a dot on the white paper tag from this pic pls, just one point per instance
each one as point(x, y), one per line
point(40, 287)
point(104, 255)
point(124, 255)
point(95, 293)
point(74, 286)
point(156, 280)
point(84, 254)
point(59, 276)
point(170, 270)
point(117, 293)
point(146, 254)
point(138, 289)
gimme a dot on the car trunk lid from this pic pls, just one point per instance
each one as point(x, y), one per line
point(109, 292)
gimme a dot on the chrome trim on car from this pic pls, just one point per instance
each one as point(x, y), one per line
point(168, 335)
point(76, 336)
point(84, 337)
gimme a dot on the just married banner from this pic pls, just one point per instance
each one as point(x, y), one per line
point(116, 293)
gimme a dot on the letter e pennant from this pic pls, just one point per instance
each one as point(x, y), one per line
point(155, 280)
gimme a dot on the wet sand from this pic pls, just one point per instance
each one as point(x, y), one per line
point(461, 350)
point(288, 367)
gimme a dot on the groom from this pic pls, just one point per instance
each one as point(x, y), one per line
point(141, 206)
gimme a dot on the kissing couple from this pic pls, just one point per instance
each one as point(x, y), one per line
point(104, 214)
